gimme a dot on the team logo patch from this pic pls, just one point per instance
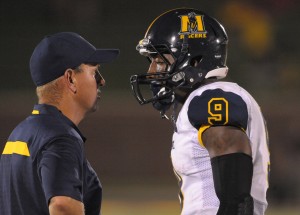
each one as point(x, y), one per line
point(192, 25)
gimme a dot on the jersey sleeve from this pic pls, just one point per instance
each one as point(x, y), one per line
point(217, 108)
point(60, 169)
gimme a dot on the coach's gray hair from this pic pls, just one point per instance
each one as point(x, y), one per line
point(51, 92)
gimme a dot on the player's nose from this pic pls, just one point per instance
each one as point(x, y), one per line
point(152, 68)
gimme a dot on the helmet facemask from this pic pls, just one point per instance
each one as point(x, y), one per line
point(198, 45)
point(161, 83)
point(180, 76)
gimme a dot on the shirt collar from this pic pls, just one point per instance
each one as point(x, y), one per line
point(52, 110)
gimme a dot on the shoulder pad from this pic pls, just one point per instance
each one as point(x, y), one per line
point(217, 107)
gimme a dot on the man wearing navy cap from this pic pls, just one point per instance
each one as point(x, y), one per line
point(43, 169)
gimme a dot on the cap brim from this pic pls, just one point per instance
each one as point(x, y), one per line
point(103, 56)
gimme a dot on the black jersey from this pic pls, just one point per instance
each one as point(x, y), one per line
point(43, 158)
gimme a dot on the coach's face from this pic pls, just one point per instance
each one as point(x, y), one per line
point(89, 81)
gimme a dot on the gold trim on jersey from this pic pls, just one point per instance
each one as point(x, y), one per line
point(200, 132)
point(35, 112)
point(17, 147)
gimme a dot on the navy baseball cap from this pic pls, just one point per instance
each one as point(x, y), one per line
point(58, 52)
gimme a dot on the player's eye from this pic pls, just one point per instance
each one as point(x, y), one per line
point(159, 61)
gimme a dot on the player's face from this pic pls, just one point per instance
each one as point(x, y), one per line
point(89, 81)
point(158, 64)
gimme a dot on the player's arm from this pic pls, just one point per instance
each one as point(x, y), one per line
point(221, 118)
point(221, 140)
point(232, 167)
point(63, 205)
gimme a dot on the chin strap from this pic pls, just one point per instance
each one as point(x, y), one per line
point(173, 115)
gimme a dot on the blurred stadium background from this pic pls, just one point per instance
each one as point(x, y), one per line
point(129, 145)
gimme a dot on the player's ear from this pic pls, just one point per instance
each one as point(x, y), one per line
point(70, 80)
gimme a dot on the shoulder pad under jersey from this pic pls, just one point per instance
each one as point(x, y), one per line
point(216, 107)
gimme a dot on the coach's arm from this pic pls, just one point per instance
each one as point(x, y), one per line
point(63, 205)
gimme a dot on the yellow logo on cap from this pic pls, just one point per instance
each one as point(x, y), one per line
point(192, 25)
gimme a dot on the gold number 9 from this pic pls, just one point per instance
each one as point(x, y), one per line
point(218, 111)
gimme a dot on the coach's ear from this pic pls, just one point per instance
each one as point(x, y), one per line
point(70, 80)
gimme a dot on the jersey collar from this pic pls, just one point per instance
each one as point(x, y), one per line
point(52, 110)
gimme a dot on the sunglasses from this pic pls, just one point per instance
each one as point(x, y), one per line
point(98, 77)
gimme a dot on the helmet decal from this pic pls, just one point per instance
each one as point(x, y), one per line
point(192, 25)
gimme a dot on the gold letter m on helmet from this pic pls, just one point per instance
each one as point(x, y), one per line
point(191, 24)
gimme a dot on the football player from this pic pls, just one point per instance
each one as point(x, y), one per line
point(220, 146)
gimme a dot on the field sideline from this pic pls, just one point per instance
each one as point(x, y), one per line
point(165, 207)
point(156, 199)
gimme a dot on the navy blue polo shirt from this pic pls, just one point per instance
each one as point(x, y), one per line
point(44, 157)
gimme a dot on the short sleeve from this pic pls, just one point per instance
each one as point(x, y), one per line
point(60, 168)
point(93, 191)
point(217, 107)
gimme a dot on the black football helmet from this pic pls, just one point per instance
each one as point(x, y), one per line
point(198, 44)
